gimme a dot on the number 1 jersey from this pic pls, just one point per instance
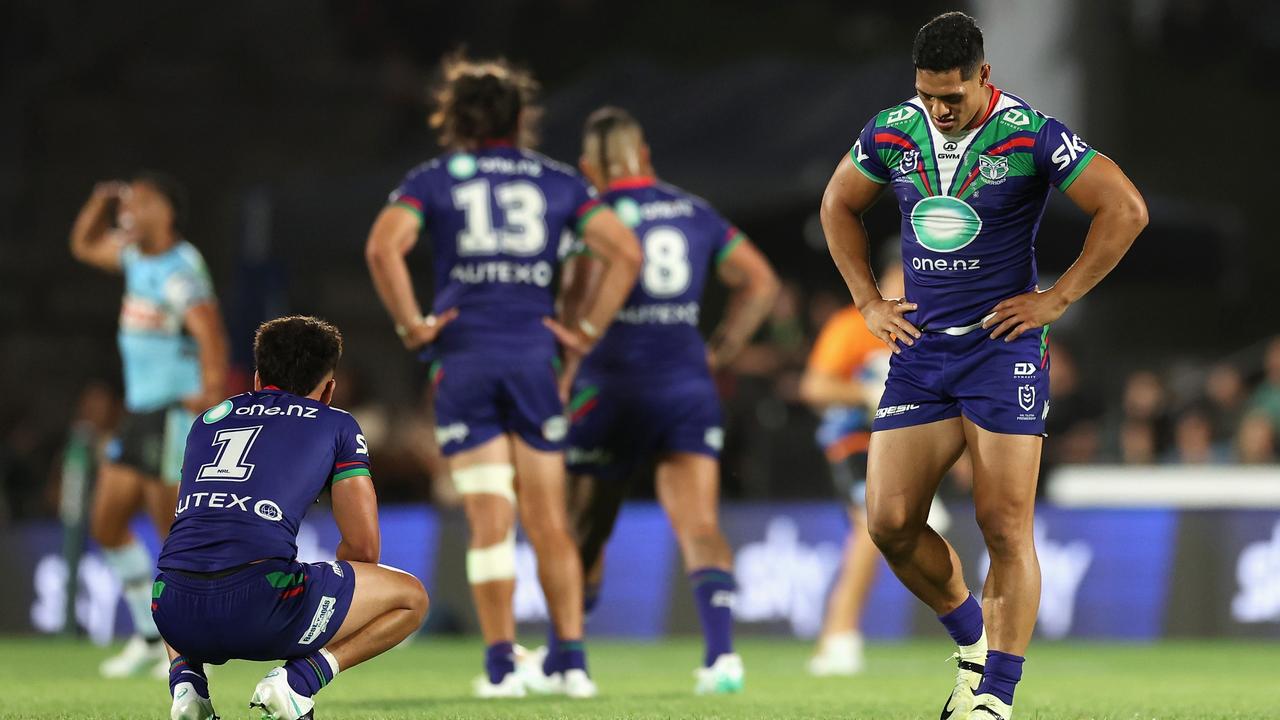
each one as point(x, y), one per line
point(254, 463)
point(499, 220)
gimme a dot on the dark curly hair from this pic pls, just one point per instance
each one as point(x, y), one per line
point(484, 100)
point(951, 40)
point(295, 353)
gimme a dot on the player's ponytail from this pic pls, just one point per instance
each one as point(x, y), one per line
point(483, 101)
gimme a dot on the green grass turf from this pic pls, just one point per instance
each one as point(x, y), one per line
point(431, 679)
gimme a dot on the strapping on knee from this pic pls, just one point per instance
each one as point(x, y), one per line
point(492, 563)
point(492, 479)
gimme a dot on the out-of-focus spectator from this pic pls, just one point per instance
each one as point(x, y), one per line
point(1256, 442)
point(1072, 427)
point(1193, 440)
point(1137, 442)
point(1266, 399)
point(1225, 392)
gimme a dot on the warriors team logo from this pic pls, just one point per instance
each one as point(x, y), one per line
point(993, 169)
point(944, 224)
point(910, 159)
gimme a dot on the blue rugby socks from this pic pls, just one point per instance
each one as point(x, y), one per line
point(714, 591)
point(309, 674)
point(182, 670)
point(965, 622)
point(1001, 676)
point(499, 661)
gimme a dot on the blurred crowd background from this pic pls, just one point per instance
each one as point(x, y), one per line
point(290, 121)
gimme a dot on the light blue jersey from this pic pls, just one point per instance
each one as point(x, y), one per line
point(161, 365)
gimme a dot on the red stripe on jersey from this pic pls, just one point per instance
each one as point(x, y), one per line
point(972, 174)
point(894, 140)
point(925, 177)
point(1010, 144)
point(633, 182)
point(497, 143)
point(412, 202)
point(341, 465)
point(587, 207)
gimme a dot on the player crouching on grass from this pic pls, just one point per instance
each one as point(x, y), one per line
point(230, 585)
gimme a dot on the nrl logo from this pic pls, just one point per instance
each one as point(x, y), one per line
point(993, 169)
point(910, 159)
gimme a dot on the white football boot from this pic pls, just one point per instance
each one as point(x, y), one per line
point(968, 675)
point(138, 657)
point(576, 684)
point(838, 655)
point(190, 705)
point(511, 686)
point(277, 701)
point(725, 676)
point(989, 707)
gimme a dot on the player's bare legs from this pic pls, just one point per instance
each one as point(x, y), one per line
point(546, 522)
point(1005, 470)
point(491, 518)
point(904, 469)
point(118, 495)
point(688, 486)
point(389, 605)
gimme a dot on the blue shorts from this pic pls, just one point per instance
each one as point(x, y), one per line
point(618, 423)
point(274, 610)
point(481, 396)
point(1001, 387)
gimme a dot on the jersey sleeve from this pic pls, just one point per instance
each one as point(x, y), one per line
point(585, 204)
point(188, 284)
point(1060, 154)
point(866, 158)
point(351, 458)
point(412, 194)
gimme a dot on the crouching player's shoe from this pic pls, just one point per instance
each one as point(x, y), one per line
point(723, 677)
point(189, 704)
point(278, 701)
point(990, 707)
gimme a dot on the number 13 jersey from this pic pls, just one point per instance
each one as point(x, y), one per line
point(499, 219)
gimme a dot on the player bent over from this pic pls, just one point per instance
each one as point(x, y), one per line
point(971, 168)
point(646, 390)
point(230, 586)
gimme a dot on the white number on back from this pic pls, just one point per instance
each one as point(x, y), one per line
point(523, 231)
point(233, 446)
point(666, 262)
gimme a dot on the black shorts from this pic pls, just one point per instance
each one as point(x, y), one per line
point(152, 442)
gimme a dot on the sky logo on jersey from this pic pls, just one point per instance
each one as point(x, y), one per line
point(1070, 149)
point(462, 166)
point(945, 224)
point(217, 412)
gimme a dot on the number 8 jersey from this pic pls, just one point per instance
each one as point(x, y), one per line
point(253, 466)
point(497, 219)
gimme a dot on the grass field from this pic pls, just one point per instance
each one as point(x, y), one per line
point(430, 679)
